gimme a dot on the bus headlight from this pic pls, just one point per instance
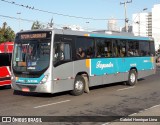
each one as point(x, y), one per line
point(12, 77)
point(44, 79)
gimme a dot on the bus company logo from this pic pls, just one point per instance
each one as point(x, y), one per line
point(6, 119)
point(32, 81)
point(133, 65)
point(22, 81)
point(102, 66)
point(146, 61)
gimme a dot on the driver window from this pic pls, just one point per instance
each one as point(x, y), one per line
point(62, 52)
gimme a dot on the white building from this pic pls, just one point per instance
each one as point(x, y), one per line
point(140, 24)
point(156, 24)
point(148, 24)
point(112, 25)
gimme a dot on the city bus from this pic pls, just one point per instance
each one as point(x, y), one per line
point(57, 60)
point(5, 63)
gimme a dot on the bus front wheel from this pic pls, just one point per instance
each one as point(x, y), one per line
point(132, 78)
point(79, 86)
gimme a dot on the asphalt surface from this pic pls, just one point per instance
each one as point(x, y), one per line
point(109, 100)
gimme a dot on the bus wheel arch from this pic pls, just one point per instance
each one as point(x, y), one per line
point(84, 78)
point(132, 76)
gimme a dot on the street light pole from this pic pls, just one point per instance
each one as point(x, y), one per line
point(139, 20)
point(19, 20)
point(125, 13)
point(87, 25)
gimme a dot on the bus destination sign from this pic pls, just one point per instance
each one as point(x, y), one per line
point(33, 36)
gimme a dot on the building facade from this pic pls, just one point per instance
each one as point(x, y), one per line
point(156, 24)
point(140, 24)
point(112, 25)
point(148, 24)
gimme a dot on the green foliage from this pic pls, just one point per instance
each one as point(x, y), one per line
point(6, 33)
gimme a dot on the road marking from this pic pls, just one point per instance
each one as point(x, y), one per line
point(106, 123)
point(154, 106)
point(145, 110)
point(51, 104)
point(126, 88)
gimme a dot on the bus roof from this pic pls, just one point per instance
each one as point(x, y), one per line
point(113, 35)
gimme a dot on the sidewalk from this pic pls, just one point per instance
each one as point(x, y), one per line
point(153, 111)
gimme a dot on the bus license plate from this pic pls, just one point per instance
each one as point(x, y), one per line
point(25, 90)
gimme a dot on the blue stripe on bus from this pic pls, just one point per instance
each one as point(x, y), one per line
point(114, 65)
point(29, 80)
point(119, 37)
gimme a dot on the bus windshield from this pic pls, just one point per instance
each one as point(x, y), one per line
point(31, 55)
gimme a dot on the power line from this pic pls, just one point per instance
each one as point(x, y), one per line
point(54, 13)
point(59, 25)
point(27, 20)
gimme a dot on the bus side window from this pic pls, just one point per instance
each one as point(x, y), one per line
point(152, 48)
point(116, 48)
point(62, 52)
point(84, 48)
point(144, 48)
point(122, 48)
point(133, 48)
point(67, 51)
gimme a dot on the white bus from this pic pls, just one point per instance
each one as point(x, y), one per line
point(57, 60)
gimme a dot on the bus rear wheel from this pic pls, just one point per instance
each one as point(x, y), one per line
point(132, 78)
point(79, 86)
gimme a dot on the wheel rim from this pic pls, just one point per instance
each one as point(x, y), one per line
point(79, 85)
point(132, 77)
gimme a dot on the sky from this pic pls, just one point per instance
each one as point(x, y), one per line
point(101, 9)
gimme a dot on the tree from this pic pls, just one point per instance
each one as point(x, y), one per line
point(6, 33)
point(37, 25)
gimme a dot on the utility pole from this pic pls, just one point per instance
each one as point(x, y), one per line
point(125, 12)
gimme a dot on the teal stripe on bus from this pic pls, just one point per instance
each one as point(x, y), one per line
point(119, 37)
point(22, 80)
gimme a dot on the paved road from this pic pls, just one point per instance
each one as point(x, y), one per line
point(110, 100)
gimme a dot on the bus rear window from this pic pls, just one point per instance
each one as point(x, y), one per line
point(5, 59)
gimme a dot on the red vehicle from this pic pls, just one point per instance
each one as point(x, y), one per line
point(5, 62)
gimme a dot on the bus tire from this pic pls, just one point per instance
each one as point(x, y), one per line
point(132, 78)
point(79, 86)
